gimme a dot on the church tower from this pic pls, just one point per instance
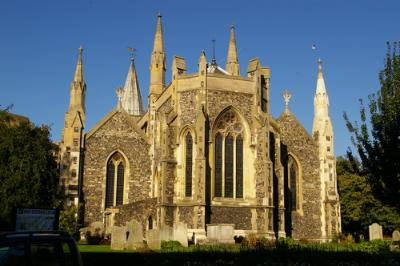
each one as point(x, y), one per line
point(131, 99)
point(72, 136)
point(232, 62)
point(323, 134)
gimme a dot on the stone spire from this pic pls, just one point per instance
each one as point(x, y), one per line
point(323, 134)
point(131, 100)
point(78, 77)
point(232, 62)
point(158, 39)
point(321, 102)
point(78, 89)
point(157, 64)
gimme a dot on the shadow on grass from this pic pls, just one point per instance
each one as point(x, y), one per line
point(247, 258)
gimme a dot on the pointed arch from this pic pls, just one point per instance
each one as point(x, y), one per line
point(295, 182)
point(188, 164)
point(229, 133)
point(115, 179)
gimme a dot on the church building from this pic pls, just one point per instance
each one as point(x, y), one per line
point(206, 151)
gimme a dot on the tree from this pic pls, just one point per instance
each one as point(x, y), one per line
point(28, 170)
point(379, 147)
point(359, 207)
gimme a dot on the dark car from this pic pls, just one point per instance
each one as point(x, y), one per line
point(38, 249)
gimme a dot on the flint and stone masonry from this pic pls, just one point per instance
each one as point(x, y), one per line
point(207, 152)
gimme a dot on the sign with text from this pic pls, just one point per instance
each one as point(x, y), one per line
point(36, 219)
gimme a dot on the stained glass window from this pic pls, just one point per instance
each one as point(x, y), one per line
point(218, 165)
point(110, 184)
point(120, 184)
point(229, 167)
point(189, 165)
point(239, 167)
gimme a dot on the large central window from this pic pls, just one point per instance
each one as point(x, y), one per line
point(115, 178)
point(228, 175)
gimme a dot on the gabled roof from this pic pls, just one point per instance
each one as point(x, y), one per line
point(109, 116)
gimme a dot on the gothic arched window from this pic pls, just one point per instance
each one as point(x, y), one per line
point(293, 171)
point(115, 180)
point(188, 164)
point(228, 175)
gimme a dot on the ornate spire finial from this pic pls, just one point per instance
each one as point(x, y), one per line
point(319, 68)
point(120, 93)
point(232, 62)
point(79, 71)
point(159, 14)
point(158, 46)
point(213, 61)
point(286, 97)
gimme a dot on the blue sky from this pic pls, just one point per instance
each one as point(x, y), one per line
point(40, 40)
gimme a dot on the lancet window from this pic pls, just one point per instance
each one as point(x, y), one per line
point(294, 175)
point(228, 156)
point(115, 180)
point(188, 164)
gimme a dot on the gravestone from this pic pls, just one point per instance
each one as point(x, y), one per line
point(135, 235)
point(221, 233)
point(375, 232)
point(180, 234)
point(118, 237)
point(396, 235)
point(153, 239)
point(166, 233)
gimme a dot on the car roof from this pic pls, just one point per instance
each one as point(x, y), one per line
point(35, 235)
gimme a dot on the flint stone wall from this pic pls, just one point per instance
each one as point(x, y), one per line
point(301, 144)
point(116, 134)
point(140, 211)
point(240, 216)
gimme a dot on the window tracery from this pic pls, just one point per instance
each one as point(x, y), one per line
point(115, 180)
point(228, 161)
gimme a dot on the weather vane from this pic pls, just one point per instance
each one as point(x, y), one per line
point(131, 51)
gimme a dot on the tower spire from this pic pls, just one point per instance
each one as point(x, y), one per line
point(131, 100)
point(158, 40)
point(78, 77)
point(232, 62)
point(78, 89)
point(157, 64)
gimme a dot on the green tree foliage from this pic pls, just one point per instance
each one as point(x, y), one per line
point(359, 207)
point(68, 219)
point(28, 170)
point(378, 145)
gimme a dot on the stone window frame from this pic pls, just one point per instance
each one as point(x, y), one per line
point(225, 132)
point(299, 182)
point(184, 132)
point(116, 161)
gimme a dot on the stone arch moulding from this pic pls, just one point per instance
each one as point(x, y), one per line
point(127, 175)
point(181, 158)
point(234, 182)
point(183, 132)
point(241, 117)
point(299, 183)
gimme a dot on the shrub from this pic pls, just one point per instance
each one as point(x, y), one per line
point(171, 245)
point(375, 246)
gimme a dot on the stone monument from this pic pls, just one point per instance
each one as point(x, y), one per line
point(118, 237)
point(135, 235)
point(375, 232)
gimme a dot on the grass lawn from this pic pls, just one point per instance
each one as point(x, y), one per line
point(99, 248)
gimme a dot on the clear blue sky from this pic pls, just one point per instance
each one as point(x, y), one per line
point(40, 40)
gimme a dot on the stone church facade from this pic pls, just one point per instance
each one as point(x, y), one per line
point(206, 151)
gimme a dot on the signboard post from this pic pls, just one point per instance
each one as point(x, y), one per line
point(36, 219)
